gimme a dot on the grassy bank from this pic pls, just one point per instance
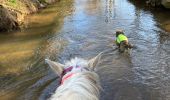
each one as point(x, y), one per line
point(14, 11)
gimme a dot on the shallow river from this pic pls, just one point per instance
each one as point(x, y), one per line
point(85, 28)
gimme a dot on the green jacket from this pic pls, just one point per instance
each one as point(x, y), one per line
point(121, 38)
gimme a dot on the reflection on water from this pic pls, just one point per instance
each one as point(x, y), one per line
point(22, 53)
point(83, 28)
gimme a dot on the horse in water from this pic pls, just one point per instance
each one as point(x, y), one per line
point(78, 79)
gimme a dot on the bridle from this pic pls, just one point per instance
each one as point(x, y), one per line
point(63, 77)
point(66, 70)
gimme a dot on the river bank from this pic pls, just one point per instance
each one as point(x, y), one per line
point(19, 49)
point(156, 3)
point(160, 13)
point(13, 12)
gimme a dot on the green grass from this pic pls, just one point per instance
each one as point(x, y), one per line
point(12, 1)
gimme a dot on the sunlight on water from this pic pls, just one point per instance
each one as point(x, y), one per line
point(84, 28)
point(20, 52)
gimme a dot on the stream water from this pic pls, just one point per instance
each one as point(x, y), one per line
point(85, 28)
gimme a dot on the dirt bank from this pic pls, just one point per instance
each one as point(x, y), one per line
point(155, 3)
point(7, 20)
point(12, 12)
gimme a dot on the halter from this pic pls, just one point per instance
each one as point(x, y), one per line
point(67, 70)
point(63, 78)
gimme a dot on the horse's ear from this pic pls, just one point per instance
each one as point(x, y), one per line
point(55, 66)
point(93, 62)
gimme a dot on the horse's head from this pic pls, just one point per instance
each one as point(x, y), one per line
point(77, 79)
point(73, 66)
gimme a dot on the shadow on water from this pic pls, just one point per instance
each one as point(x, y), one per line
point(85, 28)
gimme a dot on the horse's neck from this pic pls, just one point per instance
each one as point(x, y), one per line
point(84, 85)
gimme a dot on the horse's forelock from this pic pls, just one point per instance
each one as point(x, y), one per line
point(76, 62)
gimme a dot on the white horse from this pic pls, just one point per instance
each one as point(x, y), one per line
point(78, 79)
